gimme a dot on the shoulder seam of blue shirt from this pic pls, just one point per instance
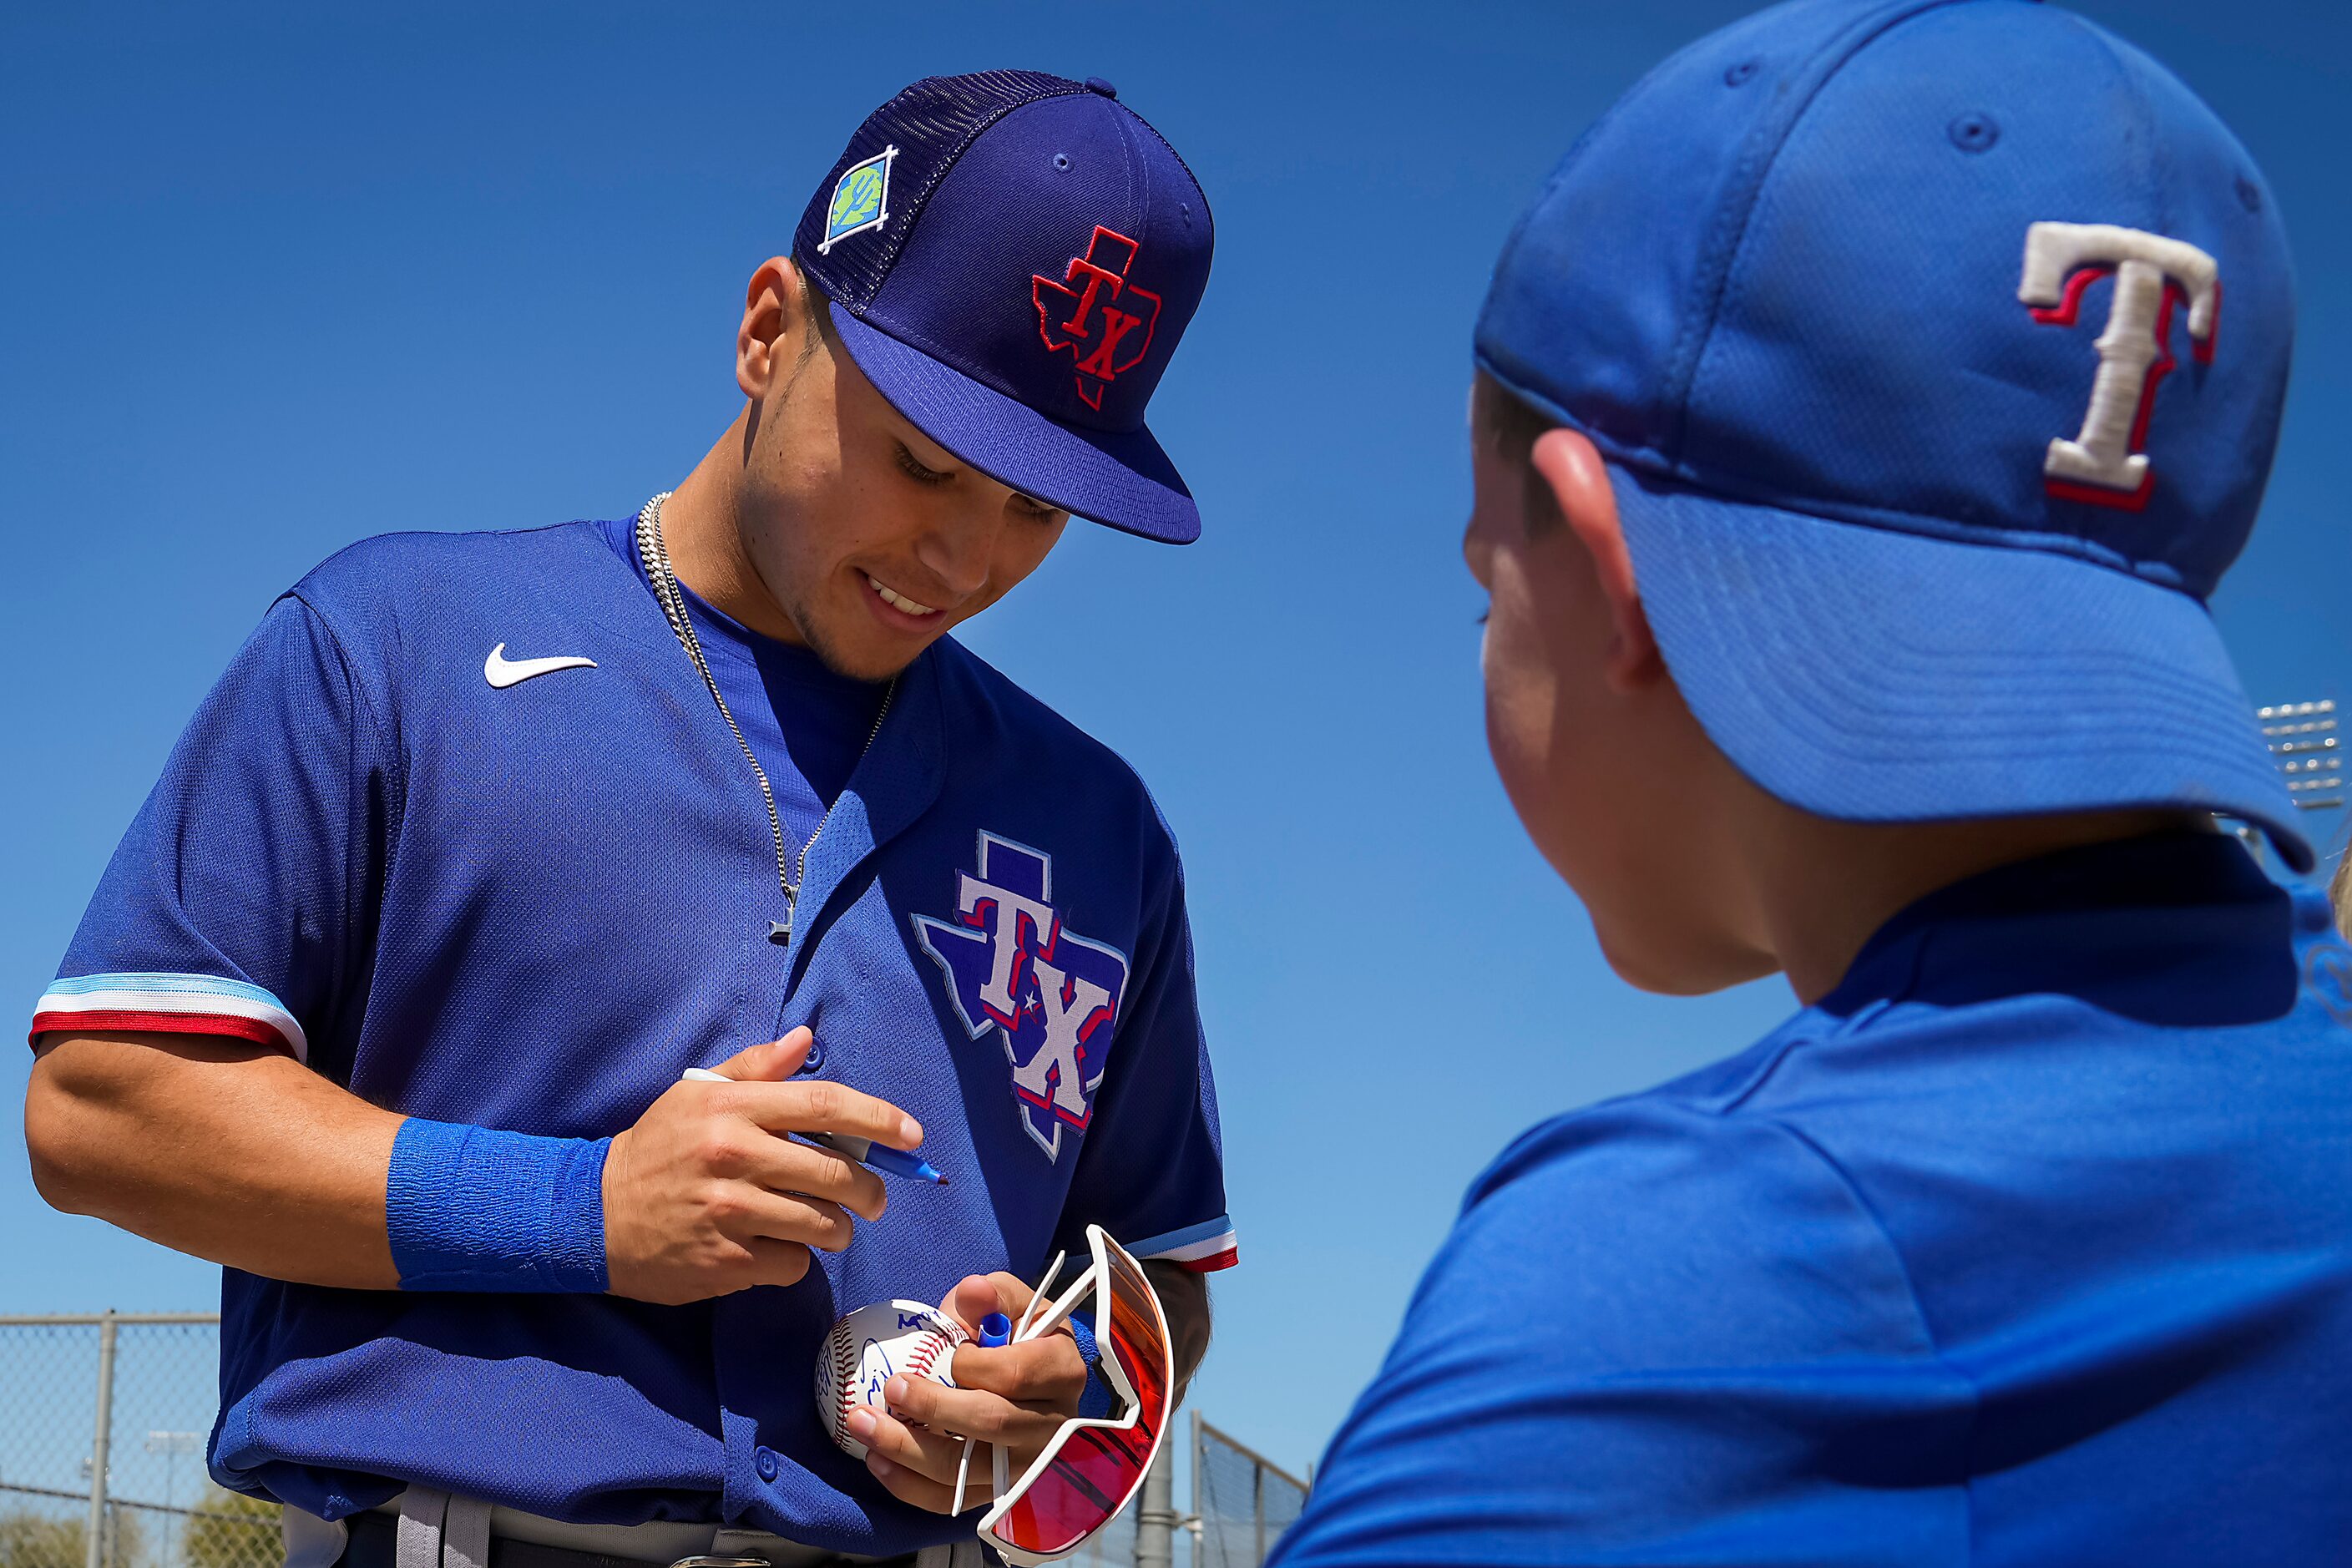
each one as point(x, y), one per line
point(2037, 1212)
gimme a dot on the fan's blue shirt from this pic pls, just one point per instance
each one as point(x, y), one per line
point(530, 906)
point(2032, 1244)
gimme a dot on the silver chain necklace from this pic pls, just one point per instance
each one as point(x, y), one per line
point(789, 872)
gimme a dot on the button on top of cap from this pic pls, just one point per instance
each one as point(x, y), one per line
point(1097, 84)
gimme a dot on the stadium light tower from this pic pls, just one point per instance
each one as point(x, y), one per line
point(171, 1445)
point(2302, 738)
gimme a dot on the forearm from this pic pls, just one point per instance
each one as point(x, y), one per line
point(236, 1153)
point(1184, 1298)
point(216, 1147)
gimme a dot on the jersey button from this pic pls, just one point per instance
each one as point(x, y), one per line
point(815, 1058)
point(765, 1463)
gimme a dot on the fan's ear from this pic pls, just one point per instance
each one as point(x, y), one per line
point(1572, 468)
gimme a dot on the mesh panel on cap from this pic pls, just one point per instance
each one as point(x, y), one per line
point(930, 123)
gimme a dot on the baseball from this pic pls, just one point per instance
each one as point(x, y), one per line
point(873, 1345)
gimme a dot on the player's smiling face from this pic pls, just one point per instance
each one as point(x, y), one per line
point(872, 538)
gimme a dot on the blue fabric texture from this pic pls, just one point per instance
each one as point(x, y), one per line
point(1854, 709)
point(474, 1209)
point(807, 724)
point(1779, 285)
point(528, 909)
point(2030, 1243)
point(1096, 1402)
point(1043, 251)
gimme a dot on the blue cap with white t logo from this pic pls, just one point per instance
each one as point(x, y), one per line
point(1937, 348)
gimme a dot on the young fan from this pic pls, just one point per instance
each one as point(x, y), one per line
point(1867, 408)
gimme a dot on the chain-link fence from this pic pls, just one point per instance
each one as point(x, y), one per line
point(103, 1420)
point(1113, 1548)
point(136, 1393)
point(1242, 1501)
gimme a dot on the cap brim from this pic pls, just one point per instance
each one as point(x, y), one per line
point(1119, 479)
point(1872, 674)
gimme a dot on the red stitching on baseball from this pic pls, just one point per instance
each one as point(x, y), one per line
point(848, 1362)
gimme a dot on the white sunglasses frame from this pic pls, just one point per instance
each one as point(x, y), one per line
point(1095, 1278)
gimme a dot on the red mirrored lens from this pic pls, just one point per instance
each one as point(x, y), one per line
point(1099, 1468)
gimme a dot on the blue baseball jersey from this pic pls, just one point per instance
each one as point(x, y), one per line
point(2030, 1244)
point(807, 724)
point(530, 904)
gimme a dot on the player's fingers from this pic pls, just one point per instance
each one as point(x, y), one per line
point(770, 1063)
point(969, 1300)
point(925, 1452)
point(991, 1417)
point(771, 1262)
point(977, 1295)
point(1048, 1369)
point(936, 1497)
point(823, 1107)
point(781, 1165)
point(746, 1212)
point(1013, 1292)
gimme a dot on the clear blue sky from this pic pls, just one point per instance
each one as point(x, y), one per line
point(275, 280)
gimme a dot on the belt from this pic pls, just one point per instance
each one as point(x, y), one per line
point(374, 1542)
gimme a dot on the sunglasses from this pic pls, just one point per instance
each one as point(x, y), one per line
point(1093, 1467)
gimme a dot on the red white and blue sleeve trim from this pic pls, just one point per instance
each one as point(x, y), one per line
point(169, 1003)
point(1203, 1248)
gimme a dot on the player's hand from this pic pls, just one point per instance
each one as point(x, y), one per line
point(706, 1195)
point(1015, 1395)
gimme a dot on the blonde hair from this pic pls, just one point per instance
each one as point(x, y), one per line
point(2340, 891)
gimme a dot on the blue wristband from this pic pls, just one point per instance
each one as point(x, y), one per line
point(473, 1209)
point(1094, 1403)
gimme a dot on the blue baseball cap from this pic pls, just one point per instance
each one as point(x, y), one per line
point(1011, 259)
point(1903, 328)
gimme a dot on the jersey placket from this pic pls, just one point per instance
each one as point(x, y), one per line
point(899, 777)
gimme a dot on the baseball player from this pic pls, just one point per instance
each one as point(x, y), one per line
point(1865, 410)
point(484, 838)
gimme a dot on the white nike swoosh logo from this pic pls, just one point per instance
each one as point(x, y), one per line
point(502, 671)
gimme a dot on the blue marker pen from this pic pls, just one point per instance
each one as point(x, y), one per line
point(865, 1151)
point(995, 1330)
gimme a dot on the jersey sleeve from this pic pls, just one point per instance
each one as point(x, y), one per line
point(1654, 1336)
point(1152, 1170)
point(231, 907)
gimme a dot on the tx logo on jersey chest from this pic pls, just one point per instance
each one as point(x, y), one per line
point(1012, 969)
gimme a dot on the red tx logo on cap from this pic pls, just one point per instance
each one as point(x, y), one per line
point(1084, 314)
